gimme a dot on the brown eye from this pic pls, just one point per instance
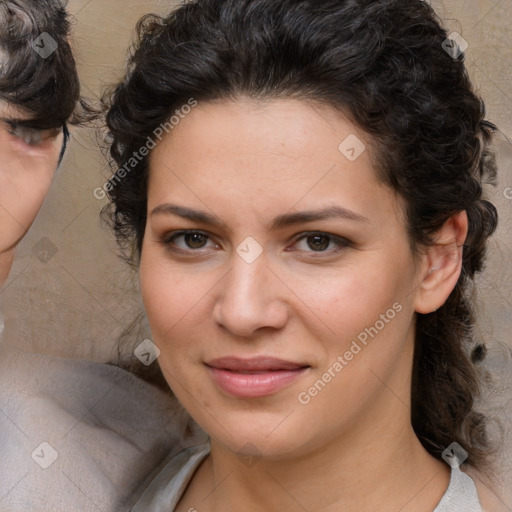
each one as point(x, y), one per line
point(195, 240)
point(318, 242)
point(187, 241)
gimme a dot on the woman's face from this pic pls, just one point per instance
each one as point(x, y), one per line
point(29, 159)
point(277, 276)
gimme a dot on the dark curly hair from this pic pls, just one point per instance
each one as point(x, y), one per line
point(47, 89)
point(381, 62)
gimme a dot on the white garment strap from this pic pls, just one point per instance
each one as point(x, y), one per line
point(461, 495)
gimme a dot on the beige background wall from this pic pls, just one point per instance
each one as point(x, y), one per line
point(69, 294)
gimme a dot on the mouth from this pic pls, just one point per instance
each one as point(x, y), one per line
point(255, 377)
point(255, 364)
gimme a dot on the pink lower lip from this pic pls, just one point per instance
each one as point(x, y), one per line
point(254, 385)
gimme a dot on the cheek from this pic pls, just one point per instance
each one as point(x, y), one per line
point(173, 299)
point(178, 312)
point(24, 184)
point(350, 298)
point(363, 311)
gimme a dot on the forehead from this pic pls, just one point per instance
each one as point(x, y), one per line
point(262, 159)
point(249, 140)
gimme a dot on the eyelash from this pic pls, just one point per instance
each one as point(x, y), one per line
point(168, 241)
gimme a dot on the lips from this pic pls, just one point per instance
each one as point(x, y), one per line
point(255, 377)
point(256, 364)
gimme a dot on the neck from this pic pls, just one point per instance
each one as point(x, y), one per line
point(392, 471)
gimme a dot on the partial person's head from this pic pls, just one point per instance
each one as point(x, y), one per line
point(39, 90)
point(303, 181)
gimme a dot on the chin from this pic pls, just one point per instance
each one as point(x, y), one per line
point(269, 437)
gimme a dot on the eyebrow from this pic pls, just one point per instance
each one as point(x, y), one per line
point(31, 123)
point(280, 222)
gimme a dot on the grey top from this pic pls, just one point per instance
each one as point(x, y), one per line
point(81, 436)
point(166, 490)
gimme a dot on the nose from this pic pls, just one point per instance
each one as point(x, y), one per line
point(251, 298)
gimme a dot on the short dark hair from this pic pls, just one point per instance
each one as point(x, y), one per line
point(383, 63)
point(48, 88)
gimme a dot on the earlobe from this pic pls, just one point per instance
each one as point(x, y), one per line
point(442, 264)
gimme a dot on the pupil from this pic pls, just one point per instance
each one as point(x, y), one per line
point(318, 242)
point(195, 240)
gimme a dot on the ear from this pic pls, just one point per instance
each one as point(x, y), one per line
point(442, 264)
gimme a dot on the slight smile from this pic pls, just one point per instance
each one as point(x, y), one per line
point(255, 377)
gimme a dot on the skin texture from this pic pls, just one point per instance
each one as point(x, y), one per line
point(352, 446)
point(26, 172)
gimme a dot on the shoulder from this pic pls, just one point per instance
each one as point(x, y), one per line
point(78, 434)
